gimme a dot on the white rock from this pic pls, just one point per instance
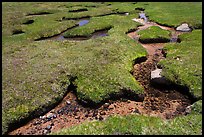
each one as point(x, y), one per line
point(156, 77)
point(183, 27)
point(156, 73)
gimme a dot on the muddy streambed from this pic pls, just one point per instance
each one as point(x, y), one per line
point(165, 102)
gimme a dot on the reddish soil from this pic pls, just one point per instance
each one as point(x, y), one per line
point(163, 103)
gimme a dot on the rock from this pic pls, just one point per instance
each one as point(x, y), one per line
point(59, 111)
point(54, 116)
point(102, 113)
point(156, 73)
point(50, 115)
point(37, 122)
point(48, 127)
point(188, 109)
point(45, 132)
point(183, 27)
point(156, 78)
point(143, 16)
point(106, 105)
point(42, 117)
point(68, 102)
point(77, 117)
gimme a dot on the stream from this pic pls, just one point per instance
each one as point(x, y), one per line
point(165, 102)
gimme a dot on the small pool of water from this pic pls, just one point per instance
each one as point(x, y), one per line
point(101, 33)
point(83, 22)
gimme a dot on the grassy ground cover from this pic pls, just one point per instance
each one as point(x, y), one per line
point(174, 13)
point(35, 74)
point(154, 34)
point(183, 64)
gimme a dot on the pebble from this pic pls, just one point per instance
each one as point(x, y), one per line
point(77, 117)
point(188, 109)
point(45, 132)
point(68, 102)
point(60, 111)
point(42, 117)
point(48, 127)
point(102, 112)
point(37, 122)
point(50, 116)
point(106, 105)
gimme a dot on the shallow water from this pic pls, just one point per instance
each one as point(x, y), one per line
point(83, 22)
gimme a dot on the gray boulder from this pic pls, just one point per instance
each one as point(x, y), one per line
point(183, 27)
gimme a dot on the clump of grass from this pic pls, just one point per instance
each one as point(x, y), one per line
point(175, 13)
point(35, 74)
point(154, 34)
point(183, 63)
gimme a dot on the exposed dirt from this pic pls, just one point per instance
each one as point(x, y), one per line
point(165, 102)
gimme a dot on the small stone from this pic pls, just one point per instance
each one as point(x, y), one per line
point(59, 111)
point(188, 109)
point(102, 112)
point(42, 117)
point(77, 117)
point(54, 116)
point(68, 102)
point(45, 132)
point(37, 122)
point(48, 127)
point(106, 105)
point(50, 116)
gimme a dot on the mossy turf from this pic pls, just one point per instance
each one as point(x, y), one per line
point(36, 74)
point(154, 34)
point(183, 63)
point(174, 13)
point(134, 124)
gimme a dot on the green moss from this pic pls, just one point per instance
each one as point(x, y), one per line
point(35, 74)
point(154, 34)
point(174, 13)
point(183, 63)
